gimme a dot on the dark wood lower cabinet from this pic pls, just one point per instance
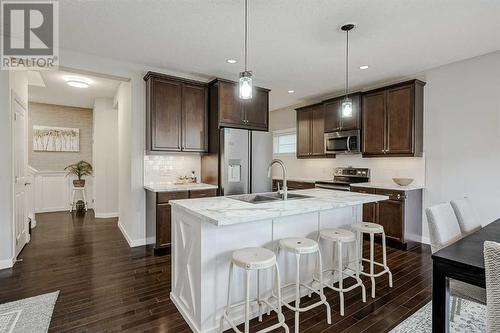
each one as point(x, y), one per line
point(401, 215)
point(292, 185)
point(159, 216)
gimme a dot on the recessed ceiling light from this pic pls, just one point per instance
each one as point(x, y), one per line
point(291, 91)
point(77, 82)
point(231, 61)
point(363, 67)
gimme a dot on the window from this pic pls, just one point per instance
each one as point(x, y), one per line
point(285, 142)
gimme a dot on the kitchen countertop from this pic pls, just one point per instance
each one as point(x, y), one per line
point(389, 186)
point(222, 211)
point(165, 187)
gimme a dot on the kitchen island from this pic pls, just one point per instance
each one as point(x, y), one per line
point(206, 231)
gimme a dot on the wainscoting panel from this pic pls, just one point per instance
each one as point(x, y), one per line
point(53, 191)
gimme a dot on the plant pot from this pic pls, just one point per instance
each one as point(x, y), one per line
point(79, 183)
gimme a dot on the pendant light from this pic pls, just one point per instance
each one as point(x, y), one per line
point(245, 82)
point(347, 102)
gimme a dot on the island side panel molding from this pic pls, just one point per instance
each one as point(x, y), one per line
point(186, 266)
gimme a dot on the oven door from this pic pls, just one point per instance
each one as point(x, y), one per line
point(342, 142)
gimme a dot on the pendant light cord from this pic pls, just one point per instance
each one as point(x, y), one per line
point(346, 65)
point(246, 32)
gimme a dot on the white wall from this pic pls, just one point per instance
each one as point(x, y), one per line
point(462, 134)
point(105, 157)
point(382, 169)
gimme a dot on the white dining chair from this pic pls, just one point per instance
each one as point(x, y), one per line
point(492, 266)
point(444, 230)
point(466, 216)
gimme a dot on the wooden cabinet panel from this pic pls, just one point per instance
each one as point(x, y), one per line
point(202, 193)
point(303, 133)
point(163, 225)
point(354, 122)
point(400, 120)
point(318, 131)
point(292, 185)
point(194, 118)
point(256, 114)
point(369, 209)
point(230, 108)
point(165, 114)
point(332, 115)
point(165, 197)
point(374, 123)
point(391, 216)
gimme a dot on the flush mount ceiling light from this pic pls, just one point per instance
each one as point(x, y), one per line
point(245, 82)
point(231, 61)
point(77, 82)
point(347, 102)
point(291, 91)
point(363, 67)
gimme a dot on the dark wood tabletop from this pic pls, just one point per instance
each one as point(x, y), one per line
point(468, 251)
point(463, 261)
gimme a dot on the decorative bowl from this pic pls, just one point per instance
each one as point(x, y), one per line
point(403, 181)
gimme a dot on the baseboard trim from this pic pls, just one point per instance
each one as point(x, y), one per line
point(7, 263)
point(105, 215)
point(131, 242)
point(426, 240)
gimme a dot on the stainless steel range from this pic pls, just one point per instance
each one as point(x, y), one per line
point(344, 177)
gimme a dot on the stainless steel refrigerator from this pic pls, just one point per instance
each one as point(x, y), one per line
point(239, 165)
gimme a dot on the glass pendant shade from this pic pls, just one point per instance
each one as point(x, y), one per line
point(245, 85)
point(347, 108)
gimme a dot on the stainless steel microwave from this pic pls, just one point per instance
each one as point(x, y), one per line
point(346, 142)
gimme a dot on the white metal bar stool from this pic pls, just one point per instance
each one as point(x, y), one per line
point(372, 229)
point(73, 198)
point(253, 259)
point(303, 246)
point(340, 237)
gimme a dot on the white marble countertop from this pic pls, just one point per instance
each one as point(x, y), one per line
point(226, 211)
point(169, 187)
point(390, 186)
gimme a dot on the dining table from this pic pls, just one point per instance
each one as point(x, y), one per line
point(463, 261)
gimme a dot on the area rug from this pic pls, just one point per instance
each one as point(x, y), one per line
point(28, 315)
point(472, 319)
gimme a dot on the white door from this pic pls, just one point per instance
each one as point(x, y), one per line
point(20, 175)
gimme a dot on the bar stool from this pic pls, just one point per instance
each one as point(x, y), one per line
point(341, 237)
point(73, 198)
point(302, 246)
point(253, 259)
point(372, 229)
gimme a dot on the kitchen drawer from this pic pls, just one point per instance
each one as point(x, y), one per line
point(165, 197)
point(366, 190)
point(392, 194)
point(202, 193)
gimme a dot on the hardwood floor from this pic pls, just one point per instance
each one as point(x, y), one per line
point(105, 286)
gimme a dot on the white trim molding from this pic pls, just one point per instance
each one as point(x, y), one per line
point(131, 242)
point(105, 215)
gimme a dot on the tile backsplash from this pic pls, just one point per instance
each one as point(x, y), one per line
point(166, 169)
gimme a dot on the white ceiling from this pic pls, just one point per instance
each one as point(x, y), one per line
point(56, 91)
point(293, 44)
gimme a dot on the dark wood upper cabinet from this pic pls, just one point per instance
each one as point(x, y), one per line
point(333, 114)
point(194, 118)
point(176, 114)
point(257, 109)
point(318, 131)
point(374, 123)
point(227, 110)
point(165, 114)
point(393, 120)
point(311, 131)
point(303, 133)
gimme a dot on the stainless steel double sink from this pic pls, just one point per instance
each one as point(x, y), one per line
point(267, 197)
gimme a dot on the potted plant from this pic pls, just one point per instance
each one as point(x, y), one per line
point(79, 170)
